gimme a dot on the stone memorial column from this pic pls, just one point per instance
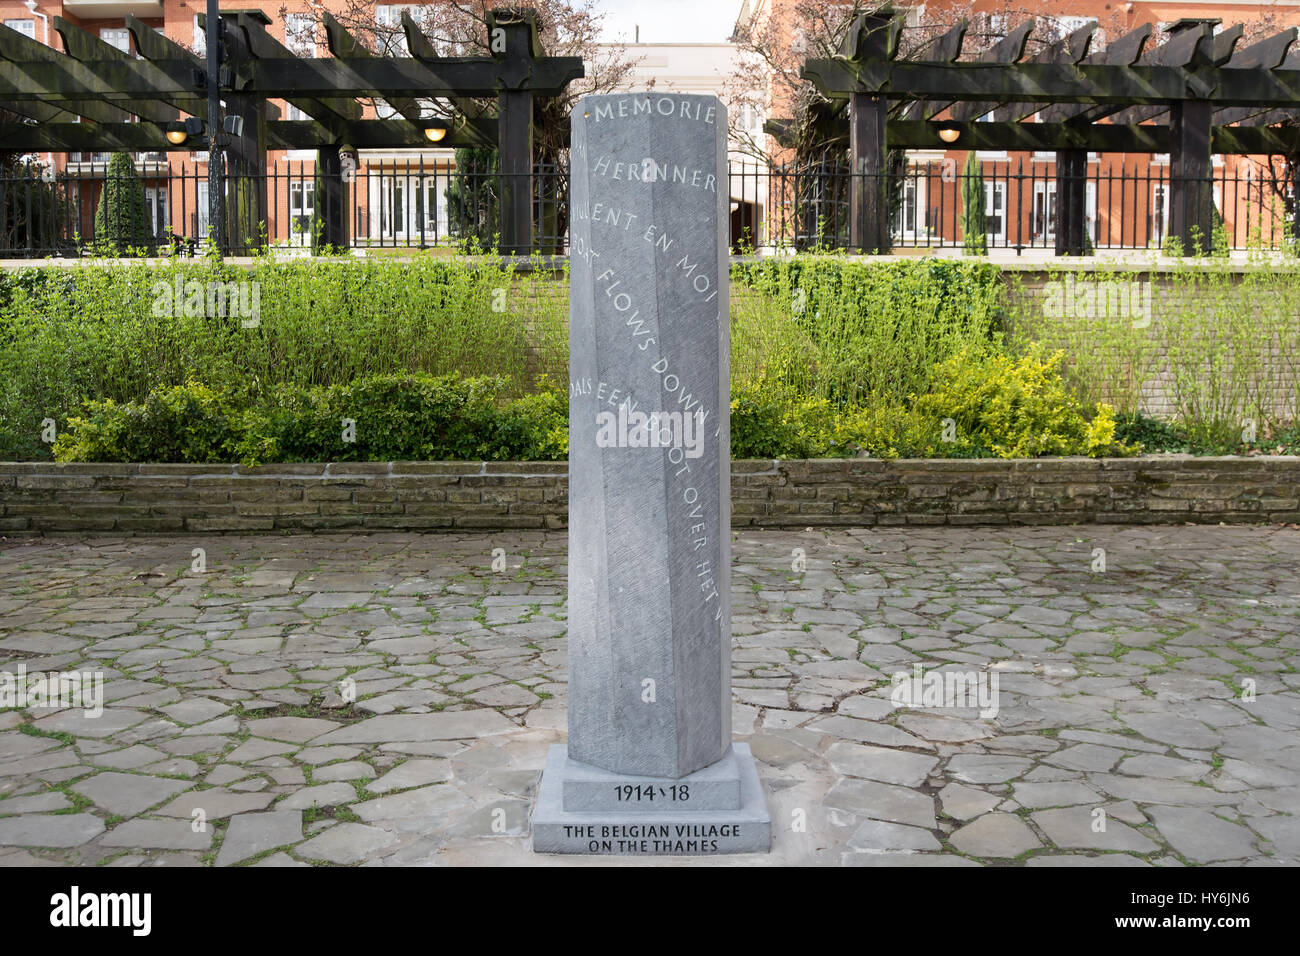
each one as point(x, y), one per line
point(650, 766)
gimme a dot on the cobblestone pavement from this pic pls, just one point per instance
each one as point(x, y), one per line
point(1126, 732)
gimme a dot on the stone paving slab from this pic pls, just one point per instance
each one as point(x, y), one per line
point(388, 699)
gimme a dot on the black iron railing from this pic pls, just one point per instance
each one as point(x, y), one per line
point(429, 205)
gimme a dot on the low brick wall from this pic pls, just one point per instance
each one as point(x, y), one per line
point(37, 497)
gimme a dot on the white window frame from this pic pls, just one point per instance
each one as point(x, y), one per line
point(24, 25)
point(913, 204)
point(201, 209)
point(300, 34)
point(156, 201)
point(302, 209)
point(389, 15)
point(117, 37)
point(995, 189)
point(1042, 224)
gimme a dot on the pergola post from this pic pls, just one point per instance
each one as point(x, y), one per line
point(513, 35)
point(331, 198)
point(246, 179)
point(1191, 198)
point(871, 35)
point(246, 205)
point(1071, 202)
point(869, 182)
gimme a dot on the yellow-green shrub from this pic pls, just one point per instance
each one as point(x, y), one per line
point(1013, 408)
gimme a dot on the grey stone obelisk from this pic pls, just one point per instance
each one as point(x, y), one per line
point(650, 766)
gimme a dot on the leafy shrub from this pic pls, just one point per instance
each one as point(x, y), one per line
point(397, 417)
point(1151, 434)
point(1014, 408)
point(858, 333)
point(532, 428)
point(767, 424)
point(891, 431)
point(182, 423)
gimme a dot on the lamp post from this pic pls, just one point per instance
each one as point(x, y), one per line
point(212, 38)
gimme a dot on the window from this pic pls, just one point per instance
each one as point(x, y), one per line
point(392, 207)
point(200, 43)
point(26, 27)
point(302, 207)
point(201, 210)
point(292, 112)
point(391, 35)
point(431, 208)
point(995, 205)
point(1043, 221)
point(1064, 26)
point(300, 34)
point(119, 37)
point(1159, 213)
point(909, 222)
point(155, 198)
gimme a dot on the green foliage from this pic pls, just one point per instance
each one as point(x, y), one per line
point(1220, 340)
point(1151, 434)
point(1014, 408)
point(396, 417)
point(857, 333)
point(442, 357)
point(762, 426)
point(974, 228)
point(68, 335)
point(122, 217)
point(473, 206)
point(182, 423)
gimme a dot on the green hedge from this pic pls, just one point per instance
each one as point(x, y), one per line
point(824, 327)
point(379, 418)
point(71, 334)
point(417, 417)
point(458, 358)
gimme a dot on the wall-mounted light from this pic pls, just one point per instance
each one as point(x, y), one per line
point(949, 134)
point(435, 130)
point(179, 133)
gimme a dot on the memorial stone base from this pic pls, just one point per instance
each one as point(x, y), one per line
point(583, 809)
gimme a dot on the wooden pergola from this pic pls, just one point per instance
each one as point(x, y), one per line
point(1192, 96)
point(94, 97)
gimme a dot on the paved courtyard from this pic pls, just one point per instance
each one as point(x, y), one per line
point(388, 699)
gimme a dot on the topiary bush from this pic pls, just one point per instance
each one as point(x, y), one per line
point(122, 217)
